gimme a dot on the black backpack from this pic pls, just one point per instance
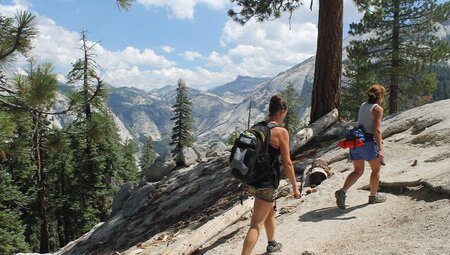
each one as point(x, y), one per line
point(249, 159)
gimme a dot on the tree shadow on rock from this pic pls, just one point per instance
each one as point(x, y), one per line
point(329, 213)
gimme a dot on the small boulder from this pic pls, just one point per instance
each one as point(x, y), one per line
point(200, 150)
point(137, 200)
point(161, 167)
point(216, 149)
point(122, 195)
point(187, 156)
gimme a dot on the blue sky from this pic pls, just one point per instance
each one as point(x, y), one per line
point(159, 41)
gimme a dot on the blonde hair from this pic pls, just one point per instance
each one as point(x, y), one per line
point(375, 93)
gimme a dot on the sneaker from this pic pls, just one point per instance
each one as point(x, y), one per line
point(378, 198)
point(340, 198)
point(274, 246)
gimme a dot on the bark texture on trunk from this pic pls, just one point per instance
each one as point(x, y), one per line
point(44, 237)
point(395, 61)
point(328, 66)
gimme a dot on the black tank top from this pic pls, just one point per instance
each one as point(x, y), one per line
point(272, 180)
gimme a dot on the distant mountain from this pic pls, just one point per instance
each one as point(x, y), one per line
point(238, 89)
point(301, 76)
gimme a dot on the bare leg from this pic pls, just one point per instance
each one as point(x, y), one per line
point(269, 225)
point(374, 176)
point(261, 210)
point(354, 176)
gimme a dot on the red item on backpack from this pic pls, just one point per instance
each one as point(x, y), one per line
point(350, 144)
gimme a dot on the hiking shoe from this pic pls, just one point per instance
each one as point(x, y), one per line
point(340, 198)
point(378, 198)
point(274, 246)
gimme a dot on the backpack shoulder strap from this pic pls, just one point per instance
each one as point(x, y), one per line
point(272, 125)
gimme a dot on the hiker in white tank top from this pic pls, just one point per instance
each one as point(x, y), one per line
point(365, 117)
point(369, 117)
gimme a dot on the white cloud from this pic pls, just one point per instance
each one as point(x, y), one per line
point(167, 49)
point(270, 47)
point(216, 59)
point(149, 79)
point(130, 56)
point(183, 9)
point(191, 55)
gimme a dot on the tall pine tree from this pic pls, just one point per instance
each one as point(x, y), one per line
point(38, 89)
point(401, 46)
point(182, 131)
point(99, 168)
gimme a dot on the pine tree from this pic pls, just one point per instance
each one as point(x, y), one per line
point(95, 142)
point(328, 66)
point(18, 164)
point(291, 121)
point(129, 169)
point(36, 91)
point(443, 82)
point(402, 45)
point(182, 130)
point(12, 236)
point(148, 155)
point(59, 182)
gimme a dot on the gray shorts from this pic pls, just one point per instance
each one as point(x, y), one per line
point(266, 194)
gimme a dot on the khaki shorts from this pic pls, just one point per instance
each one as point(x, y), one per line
point(266, 194)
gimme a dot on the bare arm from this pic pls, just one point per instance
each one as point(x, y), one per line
point(378, 134)
point(287, 163)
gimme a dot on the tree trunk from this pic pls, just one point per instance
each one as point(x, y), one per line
point(328, 66)
point(44, 246)
point(395, 61)
point(87, 104)
point(314, 129)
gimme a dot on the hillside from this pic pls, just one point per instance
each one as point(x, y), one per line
point(156, 215)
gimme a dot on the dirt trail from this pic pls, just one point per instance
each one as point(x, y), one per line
point(413, 222)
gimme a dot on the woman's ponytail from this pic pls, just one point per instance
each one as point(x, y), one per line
point(277, 103)
point(375, 93)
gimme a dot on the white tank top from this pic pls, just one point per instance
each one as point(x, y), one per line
point(365, 117)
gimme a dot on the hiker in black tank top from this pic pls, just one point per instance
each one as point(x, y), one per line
point(272, 180)
point(265, 191)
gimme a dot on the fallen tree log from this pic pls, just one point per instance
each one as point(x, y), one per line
point(307, 134)
point(194, 240)
point(405, 184)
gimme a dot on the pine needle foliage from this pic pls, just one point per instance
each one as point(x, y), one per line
point(182, 134)
point(291, 121)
